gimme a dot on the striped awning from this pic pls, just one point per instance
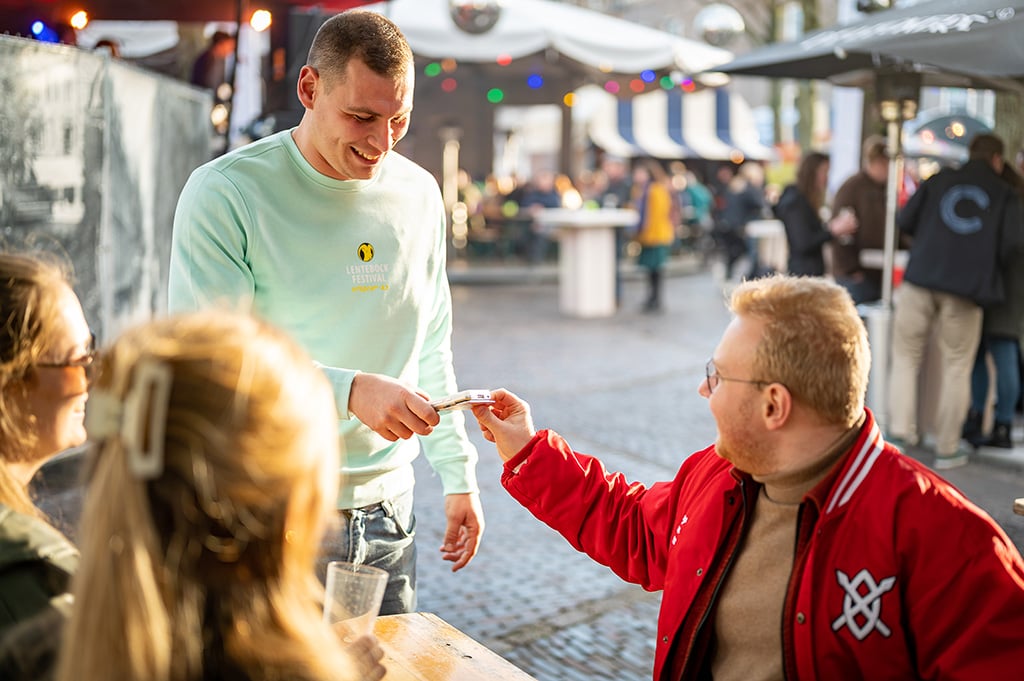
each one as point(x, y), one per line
point(712, 124)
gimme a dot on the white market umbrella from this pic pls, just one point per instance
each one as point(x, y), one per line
point(599, 42)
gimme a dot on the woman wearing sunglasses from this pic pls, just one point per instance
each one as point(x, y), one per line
point(46, 351)
point(212, 480)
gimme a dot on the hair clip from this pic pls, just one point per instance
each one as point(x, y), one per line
point(151, 387)
point(102, 415)
point(148, 396)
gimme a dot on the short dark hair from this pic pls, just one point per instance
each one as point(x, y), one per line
point(370, 37)
point(874, 148)
point(985, 146)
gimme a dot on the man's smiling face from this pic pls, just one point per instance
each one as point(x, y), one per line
point(354, 119)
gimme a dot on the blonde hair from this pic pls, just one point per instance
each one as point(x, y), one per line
point(209, 564)
point(814, 342)
point(30, 298)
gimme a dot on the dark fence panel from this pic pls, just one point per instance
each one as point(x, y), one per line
point(93, 154)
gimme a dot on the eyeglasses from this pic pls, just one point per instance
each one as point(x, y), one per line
point(86, 362)
point(713, 377)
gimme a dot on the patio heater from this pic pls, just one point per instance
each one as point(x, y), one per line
point(897, 93)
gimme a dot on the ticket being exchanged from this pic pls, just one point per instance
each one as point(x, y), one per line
point(463, 400)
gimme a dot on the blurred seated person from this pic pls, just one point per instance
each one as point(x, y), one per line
point(618, 189)
point(212, 480)
point(46, 351)
point(799, 209)
point(498, 211)
point(540, 194)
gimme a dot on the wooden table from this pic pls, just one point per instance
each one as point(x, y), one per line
point(1018, 506)
point(420, 646)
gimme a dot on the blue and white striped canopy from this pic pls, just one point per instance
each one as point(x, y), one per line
point(711, 124)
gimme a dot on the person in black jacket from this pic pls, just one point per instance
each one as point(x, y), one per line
point(966, 228)
point(1000, 338)
point(210, 69)
point(799, 209)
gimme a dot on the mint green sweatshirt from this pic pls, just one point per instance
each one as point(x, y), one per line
point(354, 270)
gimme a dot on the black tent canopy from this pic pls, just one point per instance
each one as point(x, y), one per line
point(957, 43)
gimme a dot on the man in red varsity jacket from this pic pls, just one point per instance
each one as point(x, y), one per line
point(799, 545)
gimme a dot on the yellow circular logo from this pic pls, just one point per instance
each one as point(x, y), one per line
point(365, 252)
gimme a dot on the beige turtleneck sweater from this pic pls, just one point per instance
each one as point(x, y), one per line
point(748, 618)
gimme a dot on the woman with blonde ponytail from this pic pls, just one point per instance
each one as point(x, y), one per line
point(46, 351)
point(211, 482)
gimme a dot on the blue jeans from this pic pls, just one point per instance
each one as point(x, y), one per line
point(380, 535)
point(1004, 356)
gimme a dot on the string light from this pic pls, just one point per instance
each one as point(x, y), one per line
point(44, 33)
point(261, 20)
point(79, 20)
point(535, 81)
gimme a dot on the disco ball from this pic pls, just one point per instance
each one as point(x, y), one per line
point(718, 24)
point(475, 16)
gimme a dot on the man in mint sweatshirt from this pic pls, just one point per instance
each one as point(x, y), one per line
point(331, 235)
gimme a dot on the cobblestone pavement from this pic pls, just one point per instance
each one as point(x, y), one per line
point(625, 389)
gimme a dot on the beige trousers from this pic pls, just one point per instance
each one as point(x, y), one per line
point(955, 322)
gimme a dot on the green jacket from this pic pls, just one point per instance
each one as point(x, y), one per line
point(36, 564)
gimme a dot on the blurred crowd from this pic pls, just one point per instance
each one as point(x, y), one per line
point(501, 213)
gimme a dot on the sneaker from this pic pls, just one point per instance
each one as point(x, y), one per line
point(972, 428)
point(944, 463)
point(1000, 437)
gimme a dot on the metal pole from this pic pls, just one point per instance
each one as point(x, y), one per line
point(891, 198)
point(879, 316)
